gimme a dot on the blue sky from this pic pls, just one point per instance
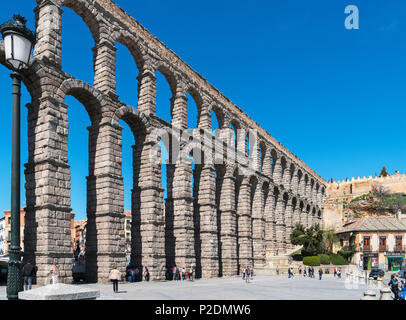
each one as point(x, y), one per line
point(335, 97)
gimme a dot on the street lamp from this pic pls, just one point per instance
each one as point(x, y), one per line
point(18, 44)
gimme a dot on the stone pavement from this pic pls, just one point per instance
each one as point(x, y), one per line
point(231, 288)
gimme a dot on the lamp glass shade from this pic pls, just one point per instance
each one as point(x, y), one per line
point(17, 50)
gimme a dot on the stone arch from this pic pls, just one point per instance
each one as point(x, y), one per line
point(262, 155)
point(219, 113)
point(273, 160)
point(87, 12)
point(197, 97)
point(234, 124)
point(292, 171)
point(133, 44)
point(172, 79)
point(129, 113)
point(170, 75)
point(91, 98)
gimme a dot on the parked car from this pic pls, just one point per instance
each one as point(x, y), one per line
point(377, 273)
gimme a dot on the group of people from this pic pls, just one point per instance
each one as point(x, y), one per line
point(29, 270)
point(337, 272)
point(310, 272)
point(176, 273)
point(247, 274)
point(133, 274)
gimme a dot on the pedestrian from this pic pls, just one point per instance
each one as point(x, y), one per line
point(177, 274)
point(146, 274)
point(114, 277)
point(183, 273)
point(243, 273)
point(335, 271)
point(174, 272)
point(288, 273)
point(339, 273)
point(312, 272)
point(304, 272)
point(300, 269)
point(54, 274)
point(28, 273)
point(191, 273)
point(277, 270)
point(247, 275)
point(320, 273)
point(138, 274)
point(131, 272)
point(291, 272)
point(394, 284)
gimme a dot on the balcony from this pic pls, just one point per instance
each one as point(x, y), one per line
point(383, 248)
point(365, 248)
point(399, 248)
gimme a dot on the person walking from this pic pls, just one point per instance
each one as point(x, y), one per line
point(174, 272)
point(183, 273)
point(304, 272)
point(54, 274)
point(335, 271)
point(177, 274)
point(115, 276)
point(244, 273)
point(28, 273)
point(191, 273)
point(312, 272)
point(339, 273)
point(291, 272)
point(146, 274)
point(320, 273)
point(247, 275)
point(277, 270)
point(288, 273)
point(394, 284)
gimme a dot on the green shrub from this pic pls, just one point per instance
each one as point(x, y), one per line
point(324, 259)
point(311, 261)
point(338, 259)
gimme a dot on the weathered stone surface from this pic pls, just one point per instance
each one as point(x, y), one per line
point(218, 216)
point(60, 291)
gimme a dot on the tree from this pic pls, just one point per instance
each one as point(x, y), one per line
point(329, 238)
point(311, 239)
point(380, 192)
point(383, 172)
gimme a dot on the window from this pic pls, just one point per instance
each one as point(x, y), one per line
point(382, 243)
point(366, 242)
point(398, 242)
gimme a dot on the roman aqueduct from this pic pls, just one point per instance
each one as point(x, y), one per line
point(227, 218)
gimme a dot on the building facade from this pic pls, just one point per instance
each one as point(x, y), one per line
point(2, 236)
point(379, 242)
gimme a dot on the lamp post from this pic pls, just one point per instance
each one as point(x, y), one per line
point(18, 44)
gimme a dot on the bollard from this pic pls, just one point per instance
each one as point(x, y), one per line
point(369, 295)
point(386, 294)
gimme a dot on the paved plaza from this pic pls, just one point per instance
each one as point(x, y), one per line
point(232, 288)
